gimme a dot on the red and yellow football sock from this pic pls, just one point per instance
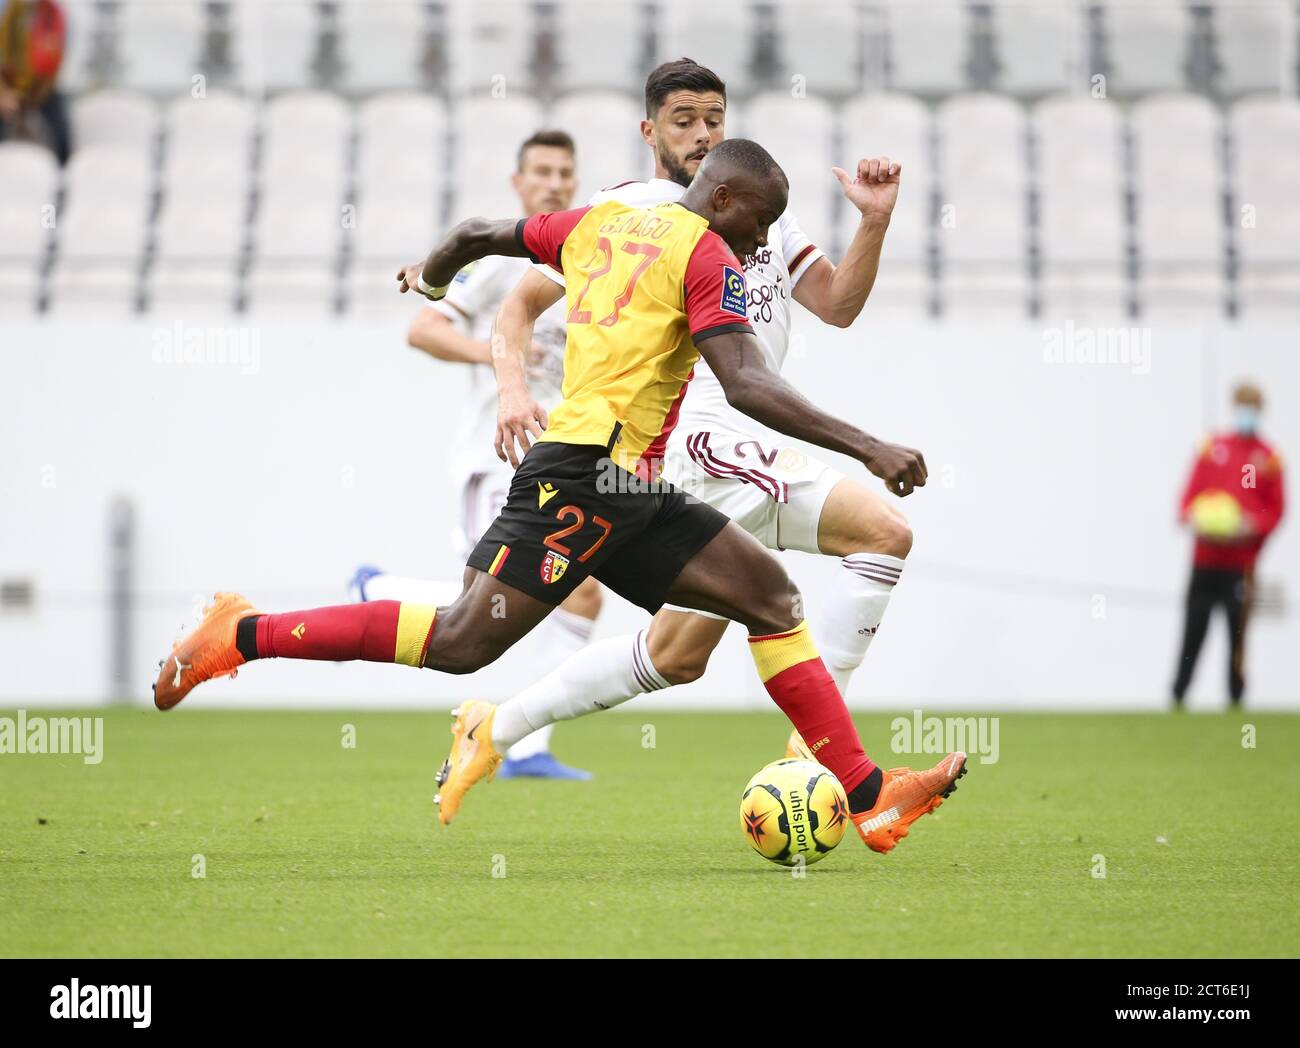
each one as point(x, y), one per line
point(799, 683)
point(379, 631)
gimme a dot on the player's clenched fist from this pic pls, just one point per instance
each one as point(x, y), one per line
point(874, 188)
point(901, 468)
point(518, 417)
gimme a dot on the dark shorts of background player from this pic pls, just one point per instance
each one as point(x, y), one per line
point(560, 525)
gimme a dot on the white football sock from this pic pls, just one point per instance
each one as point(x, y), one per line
point(852, 614)
point(600, 676)
point(438, 593)
point(560, 635)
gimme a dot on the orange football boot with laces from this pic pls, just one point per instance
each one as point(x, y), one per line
point(906, 795)
point(207, 651)
point(472, 757)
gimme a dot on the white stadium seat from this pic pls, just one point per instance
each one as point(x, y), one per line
point(275, 44)
point(381, 44)
point(29, 174)
point(1265, 134)
point(200, 232)
point(718, 35)
point(218, 126)
point(981, 134)
point(84, 27)
point(1080, 141)
point(822, 43)
point(108, 176)
point(160, 44)
point(1147, 45)
point(115, 118)
point(606, 130)
point(897, 126)
point(102, 230)
point(1178, 185)
point(312, 117)
point(29, 181)
point(928, 45)
point(599, 44)
point(1082, 226)
point(304, 148)
point(982, 229)
point(1256, 46)
point(1039, 45)
point(389, 234)
point(291, 229)
point(799, 133)
point(488, 133)
point(491, 44)
point(401, 145)
point(393, 232)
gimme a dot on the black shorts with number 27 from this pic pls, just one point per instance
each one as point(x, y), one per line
point(572, 513)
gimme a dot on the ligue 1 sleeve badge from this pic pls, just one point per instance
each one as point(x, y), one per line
point(554, 565)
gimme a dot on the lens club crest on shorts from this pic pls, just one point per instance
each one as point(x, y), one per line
point(553, 567)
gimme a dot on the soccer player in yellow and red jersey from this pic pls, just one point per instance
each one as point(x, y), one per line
point(650, 290)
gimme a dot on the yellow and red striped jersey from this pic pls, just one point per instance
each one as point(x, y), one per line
point(642, 287)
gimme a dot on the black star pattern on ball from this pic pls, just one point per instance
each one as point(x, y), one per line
point(839, 812)
point(754, 824)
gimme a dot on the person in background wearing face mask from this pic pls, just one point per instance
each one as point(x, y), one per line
point(1233, 500)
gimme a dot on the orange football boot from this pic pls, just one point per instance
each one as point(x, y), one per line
point(207, 651)
point(796, 748)
point(906, 795)
point(472, 757)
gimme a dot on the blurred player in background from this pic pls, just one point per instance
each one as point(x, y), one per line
point(458, 329)
point(777, 492)
point(1233, 500)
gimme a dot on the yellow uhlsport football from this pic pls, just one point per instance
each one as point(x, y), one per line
point(794, 811)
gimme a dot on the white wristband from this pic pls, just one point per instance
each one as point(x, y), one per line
point(433, 294)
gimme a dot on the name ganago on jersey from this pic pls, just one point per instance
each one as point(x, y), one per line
point(770, 276)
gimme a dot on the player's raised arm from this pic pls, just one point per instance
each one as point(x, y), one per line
point(835, 294)
point(759, 392)
point(540, 238)
point(518, 413)
point(467, 242)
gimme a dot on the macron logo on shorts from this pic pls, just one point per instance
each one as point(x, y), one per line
point(733, 291)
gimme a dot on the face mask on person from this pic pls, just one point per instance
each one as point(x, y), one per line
point(1245, 419)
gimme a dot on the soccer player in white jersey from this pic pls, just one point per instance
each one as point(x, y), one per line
point(458, 329)
point(784, 497)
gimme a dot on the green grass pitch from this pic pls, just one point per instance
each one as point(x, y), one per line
point(319, 850)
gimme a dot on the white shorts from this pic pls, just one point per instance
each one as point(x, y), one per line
point(774, 491)
point(483, 495)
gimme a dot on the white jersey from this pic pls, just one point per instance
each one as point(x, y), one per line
point(472, 302)
point(770, 277)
